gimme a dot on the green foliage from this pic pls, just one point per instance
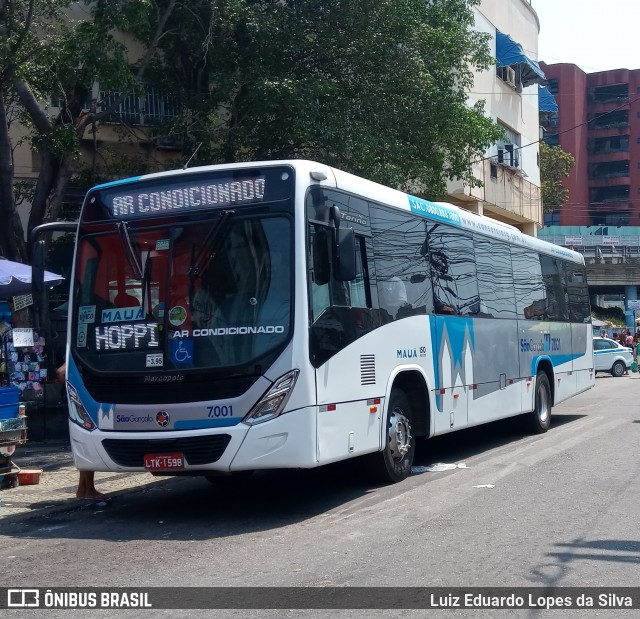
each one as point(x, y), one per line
point(614, 315)
point(61, 140)
point(375, 87)
point(555, 165)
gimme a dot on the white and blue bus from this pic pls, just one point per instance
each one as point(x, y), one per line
point(285, 314)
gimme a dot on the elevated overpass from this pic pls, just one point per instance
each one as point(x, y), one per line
point(612, 256)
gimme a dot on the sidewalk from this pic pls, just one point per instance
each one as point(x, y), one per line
point(58, 482)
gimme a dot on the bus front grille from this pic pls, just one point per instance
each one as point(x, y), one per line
point(196, 449)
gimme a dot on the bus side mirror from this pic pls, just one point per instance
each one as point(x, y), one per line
point(344, 255)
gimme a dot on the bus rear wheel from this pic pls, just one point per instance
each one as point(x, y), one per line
point(540, 417)
point(393, 463)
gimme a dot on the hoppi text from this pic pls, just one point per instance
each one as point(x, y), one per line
point(119, 337)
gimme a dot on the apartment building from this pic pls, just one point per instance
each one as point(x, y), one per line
point(510, 170)
point(598, 122)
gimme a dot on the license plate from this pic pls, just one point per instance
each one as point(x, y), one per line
point(163, 462)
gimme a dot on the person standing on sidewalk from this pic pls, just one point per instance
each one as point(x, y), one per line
point(86, 483)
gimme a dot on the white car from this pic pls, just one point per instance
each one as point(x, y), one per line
point(609, 356)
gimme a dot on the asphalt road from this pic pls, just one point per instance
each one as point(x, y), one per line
point(564, 512)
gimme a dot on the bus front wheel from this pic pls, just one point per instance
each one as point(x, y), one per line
point(393, 463)
point(540, 417)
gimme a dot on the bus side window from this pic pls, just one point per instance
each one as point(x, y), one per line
point(529, 285)
point(451, 262)
point(320, 272)
point(357, 286)
point(401, 282)
point(495, 281)
point(326, 291)
point(577, 293)
point(555, 288)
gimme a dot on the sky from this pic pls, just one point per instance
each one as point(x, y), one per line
point(596, 35)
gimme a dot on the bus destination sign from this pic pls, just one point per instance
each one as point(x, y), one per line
point(133, 200)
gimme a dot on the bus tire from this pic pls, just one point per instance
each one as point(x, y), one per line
point(393, 463)
point(540, 417)
point(618, 369)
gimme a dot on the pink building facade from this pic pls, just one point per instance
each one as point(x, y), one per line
point(598, 122)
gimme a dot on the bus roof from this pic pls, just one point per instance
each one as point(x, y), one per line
point(439, 211)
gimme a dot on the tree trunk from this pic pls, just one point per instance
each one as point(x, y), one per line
point(12, 243)
point(65, 170)
point(44, 185)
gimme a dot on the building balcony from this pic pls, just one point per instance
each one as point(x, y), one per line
point(605, 156)
point(607, 121)
point(609, 93)
point(610, 180)
point(599, 107)
point(506, 195)
point(611, 128)
point(614, 204)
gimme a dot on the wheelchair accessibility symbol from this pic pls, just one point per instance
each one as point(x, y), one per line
point(182, 351)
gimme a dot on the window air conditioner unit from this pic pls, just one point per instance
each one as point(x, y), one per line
point(510, 155)
point(510, 76)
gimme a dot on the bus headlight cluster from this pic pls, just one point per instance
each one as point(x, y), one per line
point(273, 401)
point(77, 411)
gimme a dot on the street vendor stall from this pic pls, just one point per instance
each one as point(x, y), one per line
point(22, 363)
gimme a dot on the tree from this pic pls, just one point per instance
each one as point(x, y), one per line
point(50, 55)
point(555, 165)
point(376, 87)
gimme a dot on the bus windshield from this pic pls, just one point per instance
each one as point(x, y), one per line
point(204, 294)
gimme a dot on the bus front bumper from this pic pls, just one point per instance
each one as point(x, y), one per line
point(288, 441)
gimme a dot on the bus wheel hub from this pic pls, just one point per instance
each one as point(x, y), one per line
point(399, 435)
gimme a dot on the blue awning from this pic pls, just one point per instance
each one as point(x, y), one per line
point(510, 53)
point(546, 101)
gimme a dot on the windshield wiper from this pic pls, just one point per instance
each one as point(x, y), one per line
point(132, 257)
point(197, 262)
point(146, 285)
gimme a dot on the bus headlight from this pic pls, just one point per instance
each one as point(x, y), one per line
point(77, 411)
point(273, 402)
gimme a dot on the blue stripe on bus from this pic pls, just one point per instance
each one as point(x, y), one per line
point(554, 359)
point(198, 424)
point(434, 211)
point(122, 181)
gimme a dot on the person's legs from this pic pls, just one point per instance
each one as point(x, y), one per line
point(86, 487)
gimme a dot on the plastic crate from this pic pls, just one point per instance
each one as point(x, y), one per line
point(13, 431)
point(29, 477)
point(9, 402)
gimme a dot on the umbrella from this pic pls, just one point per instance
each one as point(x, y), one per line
point(15, 279)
